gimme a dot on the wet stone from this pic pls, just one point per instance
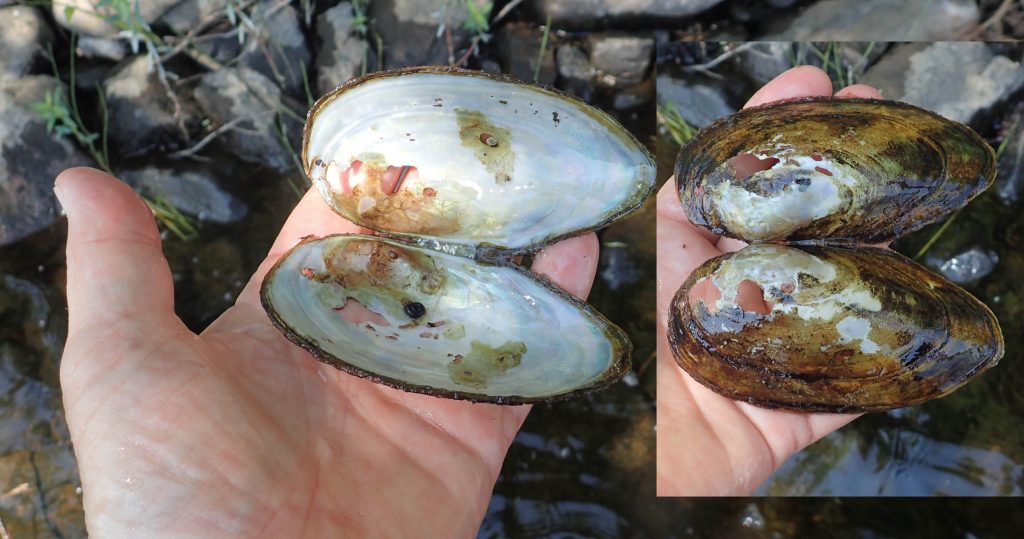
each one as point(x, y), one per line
point(967, 266)
point(410, 30)
point(194, 193)
point(518, 46)
point(141, 115)
point(103, 48)
point(1010, 177)
point(881, 20)
point(278, 48)
point(30, 158)
point(187, 14)
point(591, 13)
point(232, 93)
point(960, 80)
point(698, 104)
point(575, 70)
point(344, 50)
point(23, 38)
point(84, 21)
point(764, 61)
point(620, 60)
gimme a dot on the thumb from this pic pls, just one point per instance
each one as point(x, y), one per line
point(116, 268)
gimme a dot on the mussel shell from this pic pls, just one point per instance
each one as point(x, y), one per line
point(440, 324)
point(845, 330)
point(483, 159)
point(861, 169)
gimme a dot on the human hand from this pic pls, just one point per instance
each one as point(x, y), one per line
point(238, 432)
point(708, 444)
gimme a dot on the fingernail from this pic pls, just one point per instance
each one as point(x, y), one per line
point(59, 191)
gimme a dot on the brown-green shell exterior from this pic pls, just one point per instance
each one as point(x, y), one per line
point(868, 170)
point(846, 330)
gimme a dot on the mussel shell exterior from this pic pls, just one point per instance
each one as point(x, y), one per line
point(847, 331)
point(860, 169)
point(497, 162)
point(440, 324)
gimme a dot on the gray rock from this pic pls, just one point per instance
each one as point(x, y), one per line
point(232, 93)
point(279, 49)
point(960, 80)
point(621, 60)
point(763, 62)
point(187, 14)
point(85, 21)
point(881, 20)
point(104, 48)
point(518, 49)
point(23, 38)
point(343, 51)
point(969, 265)
point(573, 64)
point(889, 73)
point(698, 104)
point(141, 115)
point(413, 31)
point(1010, 178)
point(194, 193)
point(588, 13)
point(575, 71)
point(30, 158)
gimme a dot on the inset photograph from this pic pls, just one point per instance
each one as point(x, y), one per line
point(837, 247)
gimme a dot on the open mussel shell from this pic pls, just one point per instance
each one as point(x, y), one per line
point(861, 169)
point(470, 158)
point(429, 322)
point(829, 329)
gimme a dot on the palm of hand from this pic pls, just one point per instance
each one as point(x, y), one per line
point(707, 443)
point(238, 431)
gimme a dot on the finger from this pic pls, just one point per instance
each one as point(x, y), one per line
point(862, 91)
point(802, 81)
point(570, 263)
point(116, 267)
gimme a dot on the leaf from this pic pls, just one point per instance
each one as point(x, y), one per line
point(69, 11)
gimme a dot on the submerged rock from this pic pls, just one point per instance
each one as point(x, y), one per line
point(966, 266)
point(194, 193)
point(30, 158)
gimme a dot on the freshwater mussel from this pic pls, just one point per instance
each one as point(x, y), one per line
point(459, 173)
point(813, 315)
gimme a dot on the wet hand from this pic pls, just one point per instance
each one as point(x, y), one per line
point(236, 431)
point(709, 444)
